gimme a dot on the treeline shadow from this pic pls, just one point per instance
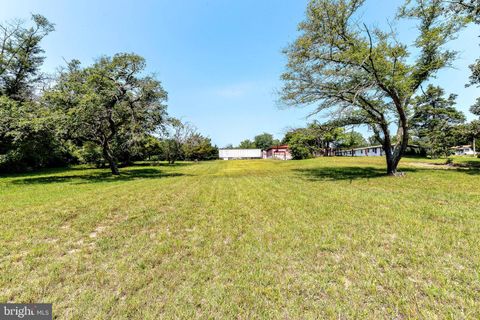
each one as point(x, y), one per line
point(161, 164)
point(99, 177)
point(345, 173)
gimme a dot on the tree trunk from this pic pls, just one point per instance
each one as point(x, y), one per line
point(109, 158)
point(391, 167)
point(394, 155)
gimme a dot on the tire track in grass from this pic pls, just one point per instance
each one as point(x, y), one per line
point(79, 239)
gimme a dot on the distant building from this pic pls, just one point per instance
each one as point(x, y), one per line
point(463, 150)
point(278, 152)
point(232, 154)
point(371, 151)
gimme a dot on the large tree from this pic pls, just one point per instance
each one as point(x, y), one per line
point(434, 120)
point(470, 10)
point(28, 135)
point(109, 103)
point(364, 73)
point(21, 56)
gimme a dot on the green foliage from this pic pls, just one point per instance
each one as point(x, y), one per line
point(434, 121)
point(21, 57)
point(365, 74)
point(247, 144)
point(150, 147)
point(90, 153)
point(110, 104)
point(301, 144)
point(181, 141)
point(353, 139)
point(30, 140)
point(171, 150)
point(198, 147)
point(264, 141)
point(469, 9)
point(466, 134)
point(174, 136)
point(316, 139)
point(475, 76)
point(475, 109)
point(28, 134)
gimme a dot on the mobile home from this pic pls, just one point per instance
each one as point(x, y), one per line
point(371, 151)
point(231, 154)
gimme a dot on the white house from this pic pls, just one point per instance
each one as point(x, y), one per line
point(371, 151)
point(230, 154)
point(464, 150)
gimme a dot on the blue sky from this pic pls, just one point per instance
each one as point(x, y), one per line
point(219, 60)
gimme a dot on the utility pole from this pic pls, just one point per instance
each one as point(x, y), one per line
point(474, 152)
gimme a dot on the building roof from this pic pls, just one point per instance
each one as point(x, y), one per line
point(239, 149)
point(282, 146)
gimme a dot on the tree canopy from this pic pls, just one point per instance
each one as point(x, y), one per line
point(264, 141)
point(109, 103)
point(434, 121)
point(365, 74)
point(28, 134)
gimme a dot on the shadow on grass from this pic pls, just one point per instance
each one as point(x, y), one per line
point(345, 173)
point(472, 164)
point(161, 164)
point(104, 176)
point(470, 170)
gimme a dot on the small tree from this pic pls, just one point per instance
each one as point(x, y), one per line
point(174, 137)
point(109, 102)
point(367, 75)
point(197, 147)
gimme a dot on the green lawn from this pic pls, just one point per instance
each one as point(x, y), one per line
point(322, 238)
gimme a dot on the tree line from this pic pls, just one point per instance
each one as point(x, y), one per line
point(108, 113)
point(436, 126)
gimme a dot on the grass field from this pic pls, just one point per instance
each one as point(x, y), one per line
point(322, 238)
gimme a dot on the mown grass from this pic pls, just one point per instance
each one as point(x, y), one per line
point(322, 238)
